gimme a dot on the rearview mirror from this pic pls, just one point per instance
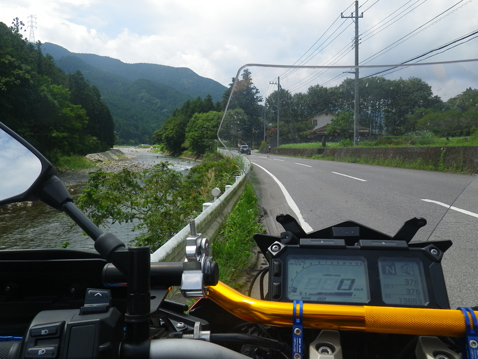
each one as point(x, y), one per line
point(20, 167)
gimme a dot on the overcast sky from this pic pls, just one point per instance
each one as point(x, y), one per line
point(214, 38)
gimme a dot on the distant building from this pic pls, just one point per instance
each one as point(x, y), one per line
point(321, 120)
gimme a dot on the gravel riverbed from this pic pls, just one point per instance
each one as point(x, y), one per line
point(112, 163)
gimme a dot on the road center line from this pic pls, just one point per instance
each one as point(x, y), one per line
point(275, 159)
point(464, 211)
point(301, 164)
point(355, 178)
point(290, 201)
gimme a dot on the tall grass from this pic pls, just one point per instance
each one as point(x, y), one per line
point(413, 139)
point(232, 249)
point(73, 163)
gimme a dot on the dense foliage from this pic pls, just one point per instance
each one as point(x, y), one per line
point(191, 127)
point(58, 114)
point(158, 201)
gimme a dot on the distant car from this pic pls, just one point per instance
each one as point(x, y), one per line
point(245, 149)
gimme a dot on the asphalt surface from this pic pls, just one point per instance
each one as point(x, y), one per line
point(323, 193)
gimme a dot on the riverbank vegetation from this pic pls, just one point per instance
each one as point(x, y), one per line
point(158, 201)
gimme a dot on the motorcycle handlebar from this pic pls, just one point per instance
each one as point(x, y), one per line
point(163, 274)
point(392, 320)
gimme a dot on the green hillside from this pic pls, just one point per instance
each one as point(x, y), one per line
point(140, 96)
point(60, 114)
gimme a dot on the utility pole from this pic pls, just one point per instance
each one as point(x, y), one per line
point(32, 24)
point(264, 119)
point(357, 98)
point(278, 107)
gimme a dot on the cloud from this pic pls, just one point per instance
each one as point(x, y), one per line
point(214, 37)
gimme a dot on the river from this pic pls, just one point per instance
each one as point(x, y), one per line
point(35, 225)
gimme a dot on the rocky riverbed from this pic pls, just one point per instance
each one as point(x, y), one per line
point(110, 161)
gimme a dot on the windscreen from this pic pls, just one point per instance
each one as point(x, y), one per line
point(406, 132)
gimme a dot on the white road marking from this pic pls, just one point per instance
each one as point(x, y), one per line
point(276, 159)
point(290, 201)
point(355, 178)
point(301, 164)
point(464, 211)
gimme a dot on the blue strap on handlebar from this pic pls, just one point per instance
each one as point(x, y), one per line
point(471, 343)
point(297, 330)
point(9, 338)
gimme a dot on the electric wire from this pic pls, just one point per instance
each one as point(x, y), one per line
point(310, 48)
point(408, 10)
point(367, 9)
point(389, 20)
point(319, 49)
point(445, 47)
point(407, 36)
point(310, 78)
point(308, 58)
point(396, 17)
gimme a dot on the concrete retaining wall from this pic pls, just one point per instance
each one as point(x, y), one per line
point(463, 158)
point(112, 154)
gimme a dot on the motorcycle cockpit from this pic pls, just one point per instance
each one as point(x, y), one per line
point(361, 268)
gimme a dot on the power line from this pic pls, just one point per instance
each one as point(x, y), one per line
point(295, 63)
point(444, 47)
point(312, 77)
point(317, 49)
point(405, 37)
point(369, 6)
point(338, 56)
point(390, 22)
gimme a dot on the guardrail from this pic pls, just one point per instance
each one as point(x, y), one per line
point(209, 222)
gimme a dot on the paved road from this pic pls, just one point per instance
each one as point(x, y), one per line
point(324, 193)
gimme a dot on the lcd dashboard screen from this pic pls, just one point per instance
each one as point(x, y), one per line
point(402, 281)
point(327, 279)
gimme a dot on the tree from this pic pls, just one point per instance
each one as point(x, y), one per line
point(100, 123)
point(201, 131)
point(172, 134)
point(343, 124)
point(17, 27)
point(405, 96)
point(232, 126)
point(246, 97)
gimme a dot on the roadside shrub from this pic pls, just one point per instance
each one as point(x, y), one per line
point(346, 143)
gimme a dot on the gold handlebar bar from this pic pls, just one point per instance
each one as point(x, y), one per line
point(414, 321)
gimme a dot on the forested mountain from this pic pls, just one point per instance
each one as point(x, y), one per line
point(59, 114)
point(140, 96)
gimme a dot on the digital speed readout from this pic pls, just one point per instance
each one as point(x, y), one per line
point(327, 279)
point(402, 281)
